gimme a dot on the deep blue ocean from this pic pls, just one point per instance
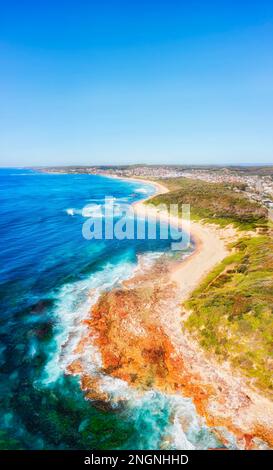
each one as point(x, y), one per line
point(47, 271)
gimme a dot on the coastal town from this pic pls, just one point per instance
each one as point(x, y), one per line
point(255, 182)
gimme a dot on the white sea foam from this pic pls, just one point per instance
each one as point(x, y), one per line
point(142, 190)
point(186, 424)
point(185, 430)
point(183, 426)
point(180, 441)
point(70, 211)
point(73, 306)
point(95, 211)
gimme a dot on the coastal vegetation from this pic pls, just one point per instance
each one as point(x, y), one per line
point(218, 203)
point(231, 312)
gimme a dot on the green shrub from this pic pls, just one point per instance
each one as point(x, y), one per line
point(232, 314)
point(216, 203)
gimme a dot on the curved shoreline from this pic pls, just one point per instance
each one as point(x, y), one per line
point(221, 395)
point(210, 243)
point(137, 331)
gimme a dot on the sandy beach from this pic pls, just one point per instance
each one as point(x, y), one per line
point(239, 407)
point(210, 244)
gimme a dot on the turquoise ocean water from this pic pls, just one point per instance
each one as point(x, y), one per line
point(47, 272)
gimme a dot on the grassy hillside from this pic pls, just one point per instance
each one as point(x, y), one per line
point(232, 311)
point(213, 201)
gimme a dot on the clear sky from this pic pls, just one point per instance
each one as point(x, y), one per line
point(104, 82)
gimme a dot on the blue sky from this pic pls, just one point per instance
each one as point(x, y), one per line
point(104, 82)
